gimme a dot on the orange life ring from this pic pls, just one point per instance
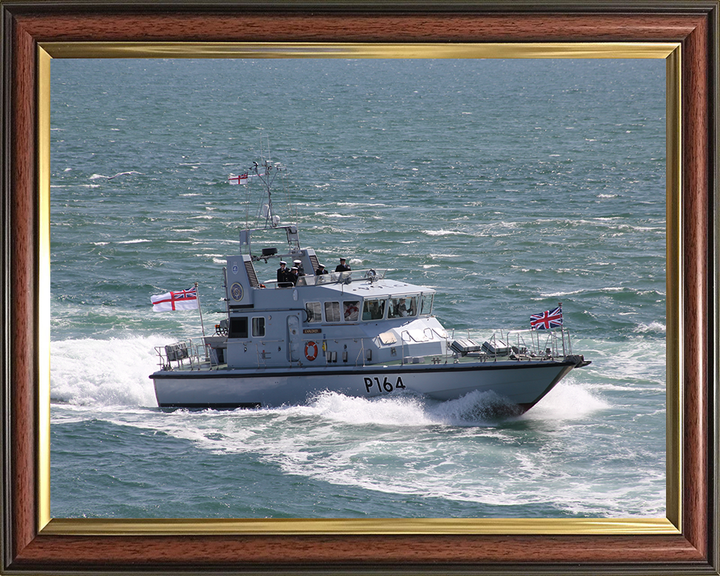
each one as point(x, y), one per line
point(311, 351)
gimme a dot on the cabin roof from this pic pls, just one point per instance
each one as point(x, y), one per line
point(367, 289)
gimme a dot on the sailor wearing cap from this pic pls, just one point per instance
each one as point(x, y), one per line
point(342, 267)
point(294, 274)
point(283, 272)
point(299, 266)
point(320, 270)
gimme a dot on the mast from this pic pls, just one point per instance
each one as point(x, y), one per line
point(202, 324)
point(267, 172)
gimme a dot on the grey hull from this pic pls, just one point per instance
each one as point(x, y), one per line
point(523, 384)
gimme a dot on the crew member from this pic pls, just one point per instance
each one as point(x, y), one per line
point(283, 272)
point(402, 308)
point(299, 266)
point(293, 276)
point(320, 270)
point(342, 267)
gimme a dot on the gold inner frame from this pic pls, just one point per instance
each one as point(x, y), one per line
point(669, 51)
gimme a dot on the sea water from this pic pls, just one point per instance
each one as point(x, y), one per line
point(506, 185)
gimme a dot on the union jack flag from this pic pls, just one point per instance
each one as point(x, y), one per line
point(546, 320)
point(181, 300)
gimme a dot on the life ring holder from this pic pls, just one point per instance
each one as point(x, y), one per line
point(311, 350)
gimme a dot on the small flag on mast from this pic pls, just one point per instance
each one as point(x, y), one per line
point(182, 300)
point(241, 179)
point(548, 319)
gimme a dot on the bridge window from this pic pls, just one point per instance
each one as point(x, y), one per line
point(351, 310)
point(402, 307)
point(314, 311)
point(426, 304)
point(332, 311)
point(374, 309)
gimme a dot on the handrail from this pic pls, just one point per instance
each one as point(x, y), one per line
point(547, 343)
point(521, 345)
point(179, 352)
point(368, 275)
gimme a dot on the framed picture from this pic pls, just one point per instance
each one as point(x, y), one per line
point(34, 34)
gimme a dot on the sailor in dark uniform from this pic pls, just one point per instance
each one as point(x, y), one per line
point(320, 270)
point(294, 275)
point(342, 267)
point(298, 264)
point(283, 274)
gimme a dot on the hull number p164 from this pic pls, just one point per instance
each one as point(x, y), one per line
point(384, 386)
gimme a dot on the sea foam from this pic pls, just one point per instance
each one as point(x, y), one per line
point(104, 372)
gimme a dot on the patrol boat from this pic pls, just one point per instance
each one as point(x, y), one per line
point(355, 332)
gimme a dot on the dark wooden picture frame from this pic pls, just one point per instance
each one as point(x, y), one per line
point(30, 544)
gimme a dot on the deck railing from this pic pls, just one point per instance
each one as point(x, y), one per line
point(181, 353)
point(525, 345)
point(371, 274)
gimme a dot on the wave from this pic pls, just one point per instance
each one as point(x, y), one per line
point(104, 372)
point(473, 409)
point(650, 328)
point(136, 241)
point(335, 215)
point(438, 449)
point(567, 401)
point(362, 205)
point(605, 290)
point(99, 176)
point(445, 233)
